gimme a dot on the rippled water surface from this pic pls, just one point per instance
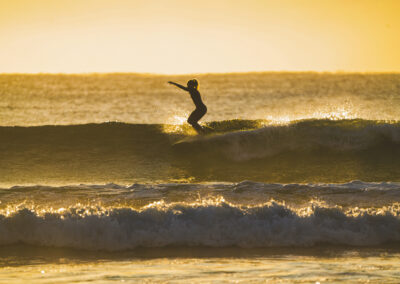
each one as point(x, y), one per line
point(297, 180)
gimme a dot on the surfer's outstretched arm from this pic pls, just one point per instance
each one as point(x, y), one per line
point(179, 86)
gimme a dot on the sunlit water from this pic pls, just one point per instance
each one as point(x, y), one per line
point(102, 180)
point(203, 266)
point(130, 98)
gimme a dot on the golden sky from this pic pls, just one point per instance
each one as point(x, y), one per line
point(186, 36)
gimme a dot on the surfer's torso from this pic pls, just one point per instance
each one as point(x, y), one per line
point(195, 95)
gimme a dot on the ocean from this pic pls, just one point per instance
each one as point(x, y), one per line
point(102, 180)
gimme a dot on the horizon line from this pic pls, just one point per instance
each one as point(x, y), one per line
point(199, 73)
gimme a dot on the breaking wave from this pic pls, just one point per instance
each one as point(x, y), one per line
point(212, 225)
point(308, 150)
point(237, 139)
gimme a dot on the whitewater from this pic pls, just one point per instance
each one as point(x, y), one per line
point(299, 179)
point(114, 217)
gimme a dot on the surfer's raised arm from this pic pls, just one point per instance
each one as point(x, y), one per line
point(179, 86)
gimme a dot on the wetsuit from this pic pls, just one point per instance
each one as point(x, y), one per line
point(200, 110)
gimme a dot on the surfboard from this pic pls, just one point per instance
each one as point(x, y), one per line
point(206, 132)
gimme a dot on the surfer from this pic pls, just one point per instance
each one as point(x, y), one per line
point(201, 109)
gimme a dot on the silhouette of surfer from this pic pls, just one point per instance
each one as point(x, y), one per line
point(201, 109)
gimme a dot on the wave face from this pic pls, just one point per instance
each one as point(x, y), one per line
point(115, 217)
point(302, 151)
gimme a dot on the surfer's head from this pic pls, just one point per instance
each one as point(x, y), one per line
point(193, 84)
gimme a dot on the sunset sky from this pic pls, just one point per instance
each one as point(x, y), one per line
point(185, 36)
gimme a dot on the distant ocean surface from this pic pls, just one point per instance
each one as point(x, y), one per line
point(298, 182)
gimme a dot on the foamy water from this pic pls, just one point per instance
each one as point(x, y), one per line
point(118, 218)
point(299, 181)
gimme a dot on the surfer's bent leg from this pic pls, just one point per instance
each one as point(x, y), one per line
point(195, 116)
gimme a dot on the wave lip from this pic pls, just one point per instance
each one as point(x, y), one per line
point(355, 193)
point(212, 225)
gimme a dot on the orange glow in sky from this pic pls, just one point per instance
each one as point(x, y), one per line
point(185, 36)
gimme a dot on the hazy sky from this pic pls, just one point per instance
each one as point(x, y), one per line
point(185, 36)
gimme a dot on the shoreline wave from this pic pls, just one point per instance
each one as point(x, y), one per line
point(210, 225)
